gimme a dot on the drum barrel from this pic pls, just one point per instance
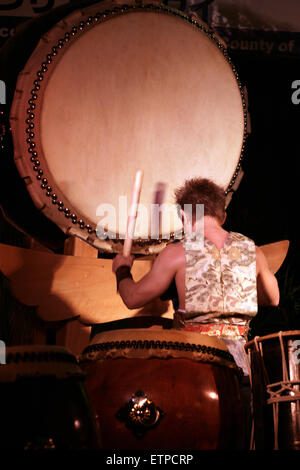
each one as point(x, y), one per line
point(156, 389)
point(15, 201)
point(44, 403)
point(276, 392)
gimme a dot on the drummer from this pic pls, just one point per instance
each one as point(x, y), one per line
point(219, 282)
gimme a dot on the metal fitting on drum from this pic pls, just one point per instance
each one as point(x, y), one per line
point(140, 414)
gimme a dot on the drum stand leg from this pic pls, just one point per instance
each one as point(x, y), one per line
point(275, 419)
point(252, 441)
point(74, 336)
point(252, 438)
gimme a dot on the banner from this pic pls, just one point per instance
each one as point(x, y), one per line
point(258, 26)
point(14, 12)
point(7, 27)
point(28, 8)
point(261, 42)
point(259, 15)
point(261, 26)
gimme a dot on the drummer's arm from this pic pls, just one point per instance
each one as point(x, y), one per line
point(153, 284)
point(267, 285)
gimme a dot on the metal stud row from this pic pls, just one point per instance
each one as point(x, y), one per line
point(151, 344)
point(50, 57)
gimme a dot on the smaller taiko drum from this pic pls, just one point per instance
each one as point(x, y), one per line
point(164, 389)
point(275, 377)
point(44, 404)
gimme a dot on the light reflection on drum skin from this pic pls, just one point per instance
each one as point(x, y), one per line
point(213, 395)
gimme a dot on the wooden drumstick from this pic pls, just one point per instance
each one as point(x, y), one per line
point(133, 212)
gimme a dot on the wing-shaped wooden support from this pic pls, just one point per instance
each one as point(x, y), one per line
point(62, 286)
point(275, 254)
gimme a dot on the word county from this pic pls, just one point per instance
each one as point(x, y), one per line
point(153, 459)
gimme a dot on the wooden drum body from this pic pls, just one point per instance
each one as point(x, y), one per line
point(163, 389)
point(275, 371)
point(44, 403)
point(112, 88)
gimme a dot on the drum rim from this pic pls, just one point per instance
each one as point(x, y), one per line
point(159, 344)
point(272, 336)
point(38, 361)
point(70, 220)
point(154, 334)
point(19, 353)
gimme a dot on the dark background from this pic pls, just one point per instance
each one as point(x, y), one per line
point(265, 206)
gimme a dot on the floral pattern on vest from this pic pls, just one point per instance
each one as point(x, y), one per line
point(220, 283)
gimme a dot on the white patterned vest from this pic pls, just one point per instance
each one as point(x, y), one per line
point(220, 285)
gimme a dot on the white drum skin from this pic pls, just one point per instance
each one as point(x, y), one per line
point(159, 94)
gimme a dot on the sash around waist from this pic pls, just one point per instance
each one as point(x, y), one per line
point(233, 327)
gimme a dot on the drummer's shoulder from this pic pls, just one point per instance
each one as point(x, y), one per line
point(261, 259)
point(240, 237)
point(173, 251)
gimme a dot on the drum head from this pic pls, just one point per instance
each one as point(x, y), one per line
point(113, 92)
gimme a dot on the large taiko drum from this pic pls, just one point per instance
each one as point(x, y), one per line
point(44, 402)
point(111, 88)
point(275, 372)
point(164, 389)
